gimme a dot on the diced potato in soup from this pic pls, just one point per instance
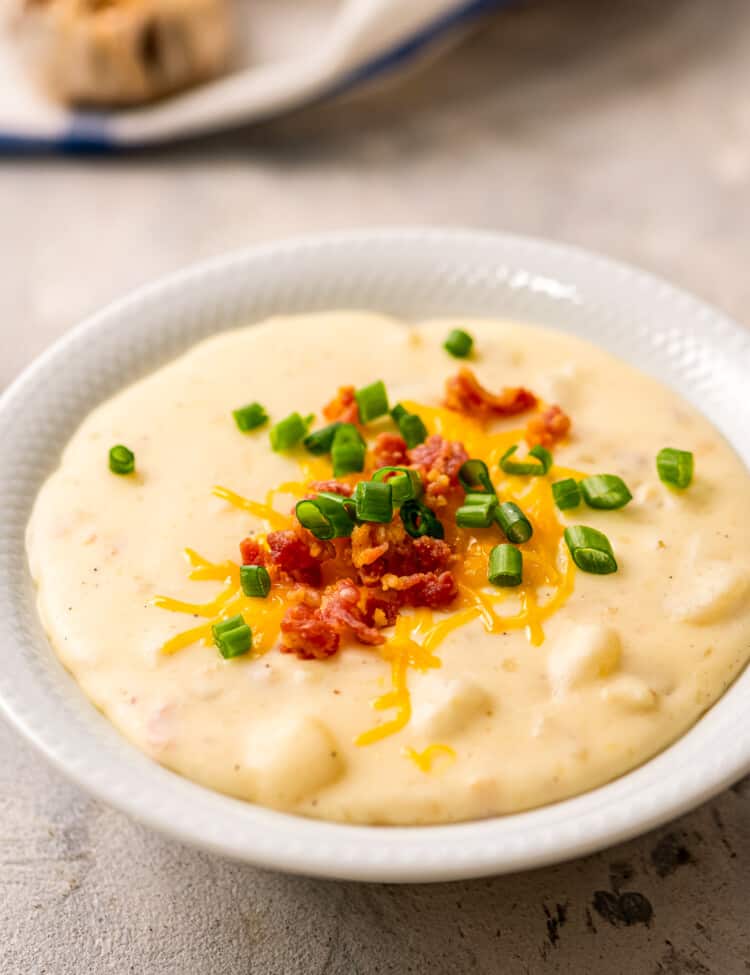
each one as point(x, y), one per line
point(403, 672)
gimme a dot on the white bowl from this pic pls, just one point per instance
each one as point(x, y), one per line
point(414, 274)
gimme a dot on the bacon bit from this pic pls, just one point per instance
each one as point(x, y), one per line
point(378, 550)
point(390, 450)
point(439, 462)
point(332, 486)
point(346, 610)
point(343, 406)
point(465, 394)
point(433, 589)
point(548, 427)
point(307, 635)
point(299, 556)
point(341, 609)
point(379, 609)
point(252, 552)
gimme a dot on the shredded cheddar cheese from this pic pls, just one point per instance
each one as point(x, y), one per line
point(264, 615)
point(547, 583)
point(425, 759)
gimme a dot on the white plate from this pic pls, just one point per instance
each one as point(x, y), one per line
point(411, 273)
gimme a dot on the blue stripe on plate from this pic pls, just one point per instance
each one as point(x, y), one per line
point(87, 133)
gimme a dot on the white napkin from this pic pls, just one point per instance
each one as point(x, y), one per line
point(294, 52)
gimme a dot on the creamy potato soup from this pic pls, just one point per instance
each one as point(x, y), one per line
point(481, 631)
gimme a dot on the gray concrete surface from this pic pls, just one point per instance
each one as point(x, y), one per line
point(622, 126)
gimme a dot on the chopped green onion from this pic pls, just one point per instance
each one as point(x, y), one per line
point(255, 580)
point(412, 429)
point(236, 642)
point(233, 637)
point(420, 520)
point(326, 516)
point(347, 450)
point(219, 629)
point(536, 470)
point(373, 501)
point(458, 343)
point(347, 432)
point(372, 401)
point(250, 417)
point(566, 493)
point(479, 497)
point(513, 522)
point(405, 483)
point(605, 491)
point(398, 411)
point(675, 467)
point(289, 431)
point(121, 460)
point(590, 549)
point(475, 477)
point(505, 567)
point(320, 441)
point(477, 511)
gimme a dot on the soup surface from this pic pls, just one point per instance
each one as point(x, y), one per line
point(489, 699)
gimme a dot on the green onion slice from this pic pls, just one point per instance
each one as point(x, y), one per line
point(406, 484)
point(347, 450)
point(606, 491)
point(398, 411)
point(520, 467)
point(590, 549)
point(566, 493)
point(233, 637)
point(372, 401)
point(325, 517)
point(236, 642)
point(458, 343)
point(420, 520)
point(219, 629)
point(250, 417)
point(255, 580)
point(479, 497)
point(505, 567)
point(412, 429)
point(514, 523)
point(477, 511)
point(320, 441)
point(289, 431)
point(373, 501)
point(475, 477)
point(675, 467)
point(121, 460)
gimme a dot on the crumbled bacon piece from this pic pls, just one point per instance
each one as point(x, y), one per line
point(343, 406)
point(345, 610)
point(299, 554)
point(306, 634)
point(378, 550)
point(390, 450)
point(465, 394)
point(548, 427)
point(252, 552)
point(332, 486)
point(439, 462)
point(433, 589)
point(341, 608)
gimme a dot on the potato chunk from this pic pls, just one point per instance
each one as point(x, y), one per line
point(586, 652)
point(293, 760)
point(445, 707)
point(630, 693)
point(713, 590)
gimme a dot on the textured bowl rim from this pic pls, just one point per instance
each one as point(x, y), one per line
point(43, 702)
